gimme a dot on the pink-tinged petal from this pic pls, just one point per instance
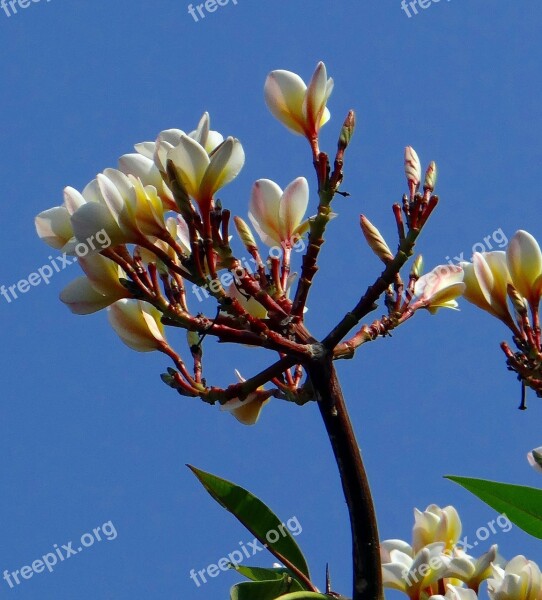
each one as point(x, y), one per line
point(293, 206)
point(439, 288)
point(226, 163)
point(525, 264)
point(54, 226)
point(190, 162)
point(73, 199)
point(318, 92)
point(82, 299)
point(137, 324)
point(284, 95)
point(413, 169)
point(264, 210)
point(497, 262)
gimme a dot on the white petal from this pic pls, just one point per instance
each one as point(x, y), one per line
point(82, 298)
point(225, 165)
point(284, 95)
point(190, 162)
point(54, 226)
point(293, 206)
point(264, 210)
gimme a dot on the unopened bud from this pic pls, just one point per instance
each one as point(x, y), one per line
point(518, 301)
point(413, 169)
point(375, 240)
point(417, 267)
point(347, 130)
point(430, 177)
point(245, 233)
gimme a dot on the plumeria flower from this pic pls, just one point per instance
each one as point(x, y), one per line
point(454, 592)
point(411, 572)
point(535, 459)
point(436, 524)
point(439, 288)
point(299, 107)
point(98, 289)
point(138, 325)
point(247, 411)
point(519, 580)
point(486, 280)
point(524, 260)
point(472, 571)
point(202, 176)
point(277, 215)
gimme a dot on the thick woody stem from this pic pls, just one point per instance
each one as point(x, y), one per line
point(367, 575)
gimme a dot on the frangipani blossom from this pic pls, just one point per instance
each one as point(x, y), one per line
point(277, 215)
point(202, 176)
point(137, 324)
point(524, 260)
point(519, 580)
point(535, 459)
point(486, 279)
point(454, 592)
point(299, 107)
point(247, 411)
point(439, 288)
point(436, 524)
point(472, 571)
point(99, 289)
point(410, 572)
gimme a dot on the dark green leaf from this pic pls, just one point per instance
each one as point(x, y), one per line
point(263, 590)
point(255, 516)
point(521, 504)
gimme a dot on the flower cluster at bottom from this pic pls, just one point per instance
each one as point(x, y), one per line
point(435, 566)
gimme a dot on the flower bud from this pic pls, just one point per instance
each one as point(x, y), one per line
point(374, 238)
point(413, 169)
point(245, 234)
point(347, 130)
point(430, 177)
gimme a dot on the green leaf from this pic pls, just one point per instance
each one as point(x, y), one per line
point(263, 590)
point(261, 574)
point(255, 516)
point(521, 504)
point(305, 596)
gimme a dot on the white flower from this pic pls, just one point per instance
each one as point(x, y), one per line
point(519, 580)
point(439, 288)
point(247, 411)
point(524, 260)
point(436, 524)
point(302, 109)
point(137, 324)
point(277, 215)
point(410, 572)
point(454, 592)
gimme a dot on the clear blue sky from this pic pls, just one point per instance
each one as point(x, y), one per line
point(89, 434)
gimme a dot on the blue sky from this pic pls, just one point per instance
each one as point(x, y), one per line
point(89, 434)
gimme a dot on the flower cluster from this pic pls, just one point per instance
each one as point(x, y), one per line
point(168, 230)
point(508, 285)
point(435, 566)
